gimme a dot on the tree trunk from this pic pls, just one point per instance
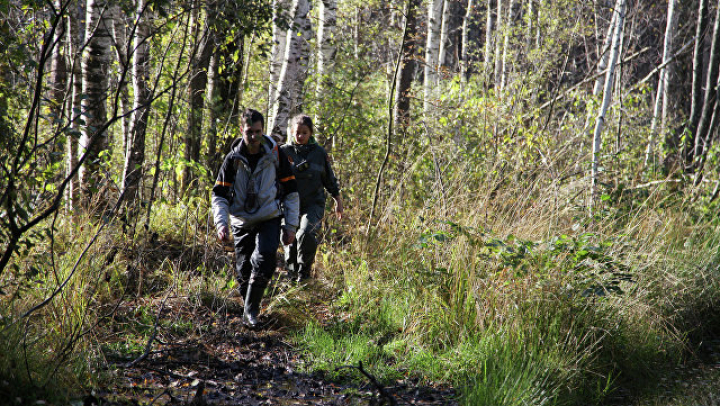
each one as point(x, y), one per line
point(507, 32)
point(445, 41)
point(607, 95)
point(135, 158)
point(703, 127)
point(95, 62)
point(500, 27)
point(407, 67)
point(305, 32)
point(120, 42)
point(199, 62)
point(58, 69)
point(289, 73)
point(432, 50)
point(488, 61)
point(326, 52)
point(468, 21)
point(281, 21)
point(697, 94)
point(661, 100)
point(605, 54)
point(76, 37)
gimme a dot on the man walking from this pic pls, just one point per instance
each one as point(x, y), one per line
point(255, 188)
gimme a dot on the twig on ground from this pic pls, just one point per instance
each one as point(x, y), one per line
point(380, 388)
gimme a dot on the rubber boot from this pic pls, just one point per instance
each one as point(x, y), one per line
point(252, 306)
point(303, 274)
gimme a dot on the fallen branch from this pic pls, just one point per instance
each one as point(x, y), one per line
point(380, 388)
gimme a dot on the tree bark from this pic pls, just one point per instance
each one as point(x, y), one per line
point(120, 44)
point(281, 24)
point(432, 50)
point(607, 95)
point(710, 97)
point(326, 52)
point(605, 54)
point(199, 62)
point(697, 94)
point(445, 41)
point(76, 37)
point(500, 27)
point(507, 32)
point(95, 62)
point(488, 61)
point(468, 21)
point(289, 73)
point(662, 98)
point(407, 67)
point(133, 170)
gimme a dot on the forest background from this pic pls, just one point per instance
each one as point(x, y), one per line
point(531, 185)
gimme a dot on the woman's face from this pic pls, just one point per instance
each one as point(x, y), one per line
point(302, 134)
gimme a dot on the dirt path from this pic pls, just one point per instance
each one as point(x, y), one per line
point(201, 356)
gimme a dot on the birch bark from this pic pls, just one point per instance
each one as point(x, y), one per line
point(95, 62)
point(133, 170)
point(661, 100)
point(432, 50)
point(289, 73)
point(607, 95)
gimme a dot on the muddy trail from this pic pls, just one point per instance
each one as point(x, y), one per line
point(200, 353)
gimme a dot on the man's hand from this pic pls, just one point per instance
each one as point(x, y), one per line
point(223, 234)
point(287, 236)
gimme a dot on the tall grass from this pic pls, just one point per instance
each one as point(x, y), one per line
point(517, 295)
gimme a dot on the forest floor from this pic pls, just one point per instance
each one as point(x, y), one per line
point(202, 354)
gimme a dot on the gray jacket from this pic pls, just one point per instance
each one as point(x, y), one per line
point(251, 197)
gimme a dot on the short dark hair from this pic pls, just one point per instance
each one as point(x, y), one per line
point(250, 116)
point(303, 119)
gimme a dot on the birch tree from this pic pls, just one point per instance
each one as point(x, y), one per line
point(468, 21)
point(199, 61)
point(498, 44)
point(76, 37)
point(280, 26)
point(445, 40)
point(710, 98)
point(95, 62)
point(662, 97)
point(615, 51)
point(605, 54)
point(407, 67)
point(120, 45)
point(283, 99)
point(507, 32)
point(327, 22)
point(135, 158)
point(489, 27)
point(432, 51)
point(697, 93)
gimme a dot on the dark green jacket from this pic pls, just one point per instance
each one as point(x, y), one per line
point(313, 172)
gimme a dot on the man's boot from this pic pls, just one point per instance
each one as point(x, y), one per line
point(252, 305)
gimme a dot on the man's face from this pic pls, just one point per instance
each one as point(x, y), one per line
point(252, 135)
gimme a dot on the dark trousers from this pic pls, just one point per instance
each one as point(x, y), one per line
point(302, 251)
point(255, 253)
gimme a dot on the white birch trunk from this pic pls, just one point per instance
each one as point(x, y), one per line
point(464, 57)
point(132, 173)
point(444, 34)
point(488, 38)
point(509, 21)
point(279, 115)
point(604, 54)
point(607, 95)
point(95, 62)
point(279, 44)
point(661, 100)
point(327, 23)
point(305, 32)
point(120, 44)
point(432, 50)
point(498, 44)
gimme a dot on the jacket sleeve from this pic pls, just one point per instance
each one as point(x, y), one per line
point(291, 198)
point(329, 180)
point(222, 193)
